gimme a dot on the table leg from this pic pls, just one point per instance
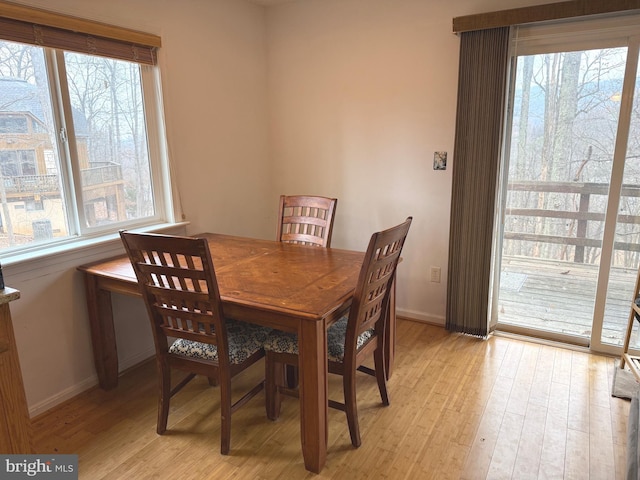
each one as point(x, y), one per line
point(312, 347)
point(103, 336)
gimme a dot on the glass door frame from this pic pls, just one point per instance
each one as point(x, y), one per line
point(594, 342)
point(615, 189)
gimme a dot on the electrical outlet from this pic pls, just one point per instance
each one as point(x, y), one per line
point(435, 274)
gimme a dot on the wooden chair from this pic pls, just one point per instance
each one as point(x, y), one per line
point(179, 286)
point(634, 315)
point(306, 219)
point(352, 339)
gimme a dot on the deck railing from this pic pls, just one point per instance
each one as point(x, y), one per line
point(31, 184)
point(40, 184)
point(100, 175)
point(582, 216)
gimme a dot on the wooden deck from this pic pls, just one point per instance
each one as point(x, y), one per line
point(559, 297)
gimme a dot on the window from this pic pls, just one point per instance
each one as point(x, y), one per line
point(13, 124)
point(14, 163)
point(79, 146)
point(35, 204)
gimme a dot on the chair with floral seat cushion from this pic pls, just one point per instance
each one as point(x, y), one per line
point(178, 283)
point(353, 338)
point(306, 219)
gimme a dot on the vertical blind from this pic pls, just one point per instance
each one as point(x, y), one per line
point(481, 92)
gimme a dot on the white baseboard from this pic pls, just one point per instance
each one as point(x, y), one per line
point(134, 360)
point(66, 394)
point(421, 317)
point(86, 384)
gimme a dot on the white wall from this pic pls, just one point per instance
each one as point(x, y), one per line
point(362, 93)
point(213, 65)
point(346, 98)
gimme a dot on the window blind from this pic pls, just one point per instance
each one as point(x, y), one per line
point(575, 34)
point(48, 29)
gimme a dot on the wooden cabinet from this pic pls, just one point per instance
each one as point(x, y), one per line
point(15, 425)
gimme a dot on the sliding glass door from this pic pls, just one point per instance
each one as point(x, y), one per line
point(617, 284)
point(564, 259)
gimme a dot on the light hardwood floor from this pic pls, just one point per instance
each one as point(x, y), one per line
point(461, 408)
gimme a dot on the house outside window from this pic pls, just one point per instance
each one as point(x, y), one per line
point(79, 146)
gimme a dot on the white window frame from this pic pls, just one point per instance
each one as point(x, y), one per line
point(80, 235)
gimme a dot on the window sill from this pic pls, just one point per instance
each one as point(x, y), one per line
point(81, 248)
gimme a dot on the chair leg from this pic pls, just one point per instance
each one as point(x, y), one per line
point(381, 376)
point(351, 407)
point(213, 381)
point(274, 376)
point(164, 379)
point(225, 415)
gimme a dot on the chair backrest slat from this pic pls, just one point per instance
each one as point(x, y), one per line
point(177, 280)
point(306, 219)
point(370, 301)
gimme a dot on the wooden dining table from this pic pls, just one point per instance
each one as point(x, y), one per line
point(295, 288)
